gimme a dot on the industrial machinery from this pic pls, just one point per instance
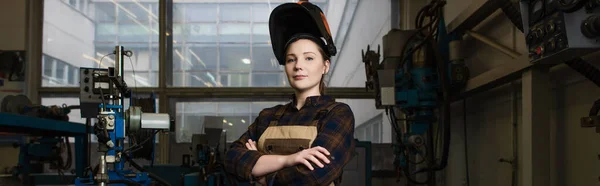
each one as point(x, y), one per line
point(102, 97)
point(12, 66)
point(48, 130)
point(415, 78)
point(209, 150)
point(204, 165)
point(39, 150)
point(558, 31)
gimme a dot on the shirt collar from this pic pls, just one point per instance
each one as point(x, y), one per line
point(313, 100)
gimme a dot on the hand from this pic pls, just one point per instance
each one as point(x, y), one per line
point(251, 145)
point(262, 181)
point(306, 155)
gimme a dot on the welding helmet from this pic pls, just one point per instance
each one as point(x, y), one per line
point(289, 22)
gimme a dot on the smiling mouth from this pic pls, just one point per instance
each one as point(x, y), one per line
point(299, 77)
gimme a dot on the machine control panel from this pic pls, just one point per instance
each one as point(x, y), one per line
point(557, 31)
point(547, 37)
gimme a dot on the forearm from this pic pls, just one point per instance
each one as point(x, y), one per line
point(267, 164)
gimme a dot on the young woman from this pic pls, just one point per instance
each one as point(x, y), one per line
point(309, 140)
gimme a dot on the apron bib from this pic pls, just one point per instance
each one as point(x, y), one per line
point(286, 140)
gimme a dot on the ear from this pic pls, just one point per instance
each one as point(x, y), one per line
point(327, 64)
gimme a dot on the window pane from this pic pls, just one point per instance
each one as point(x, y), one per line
point(137, 12)
point(134, 25)
point(236, 117)
point(61, 72)
point(261, 12)
point(215, 39)
point(263, 59)
point(235, 12)
point(234, 32)
point(376, 133)
point(235, 79)
point(204, 57)
point(261, 33)
point(194, 12)
point(235, 58)
point(105, 12)
point(194, 32)
point(269, 79)
point(185, 59)
point(48, 63)
point(195, 79)
point(195, 66)
point(203, 79)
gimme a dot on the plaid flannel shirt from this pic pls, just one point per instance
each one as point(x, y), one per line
point(335, 133)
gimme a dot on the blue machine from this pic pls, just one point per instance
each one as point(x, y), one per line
point(110, 131)
point(44, 149)
point(416, 78)
point(103, 93)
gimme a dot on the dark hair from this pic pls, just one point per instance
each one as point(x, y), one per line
point(322, 82)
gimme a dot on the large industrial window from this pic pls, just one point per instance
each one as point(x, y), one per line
point(224, 45)
point(214, 44)
point(83, 33)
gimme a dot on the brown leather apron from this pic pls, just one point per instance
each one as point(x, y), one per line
point(286, 140)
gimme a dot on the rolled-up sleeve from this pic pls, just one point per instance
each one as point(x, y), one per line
point(336, 134)
point(239, 160)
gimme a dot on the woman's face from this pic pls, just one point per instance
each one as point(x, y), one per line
point(304, 65)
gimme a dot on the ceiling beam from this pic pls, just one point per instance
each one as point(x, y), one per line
point(226, 92)
point(478, 11)
point(510, 71)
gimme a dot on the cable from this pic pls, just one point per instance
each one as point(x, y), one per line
point(69, 156)
point(586, 69)
point(134, 76)
point(405, 169)
point(465, 142)
point(101, 92)
point(100, 63)
point(512, 11)
point(436, 7)
point(139, 145)
point(404, 152)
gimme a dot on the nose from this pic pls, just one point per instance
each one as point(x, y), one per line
point(298, 65)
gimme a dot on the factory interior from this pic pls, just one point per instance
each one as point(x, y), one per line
point(443, 92)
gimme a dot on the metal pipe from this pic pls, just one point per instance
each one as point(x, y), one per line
point(102, 171)
point(515, 120)
point(493, 44)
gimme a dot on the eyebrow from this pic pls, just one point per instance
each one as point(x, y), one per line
point(303, 53)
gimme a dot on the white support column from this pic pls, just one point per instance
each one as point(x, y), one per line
point(534, 132)
point(33, 59)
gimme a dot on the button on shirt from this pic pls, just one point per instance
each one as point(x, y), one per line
point(335, 133)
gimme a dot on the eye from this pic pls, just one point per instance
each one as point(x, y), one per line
point(289, 60)
point(309, 58)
